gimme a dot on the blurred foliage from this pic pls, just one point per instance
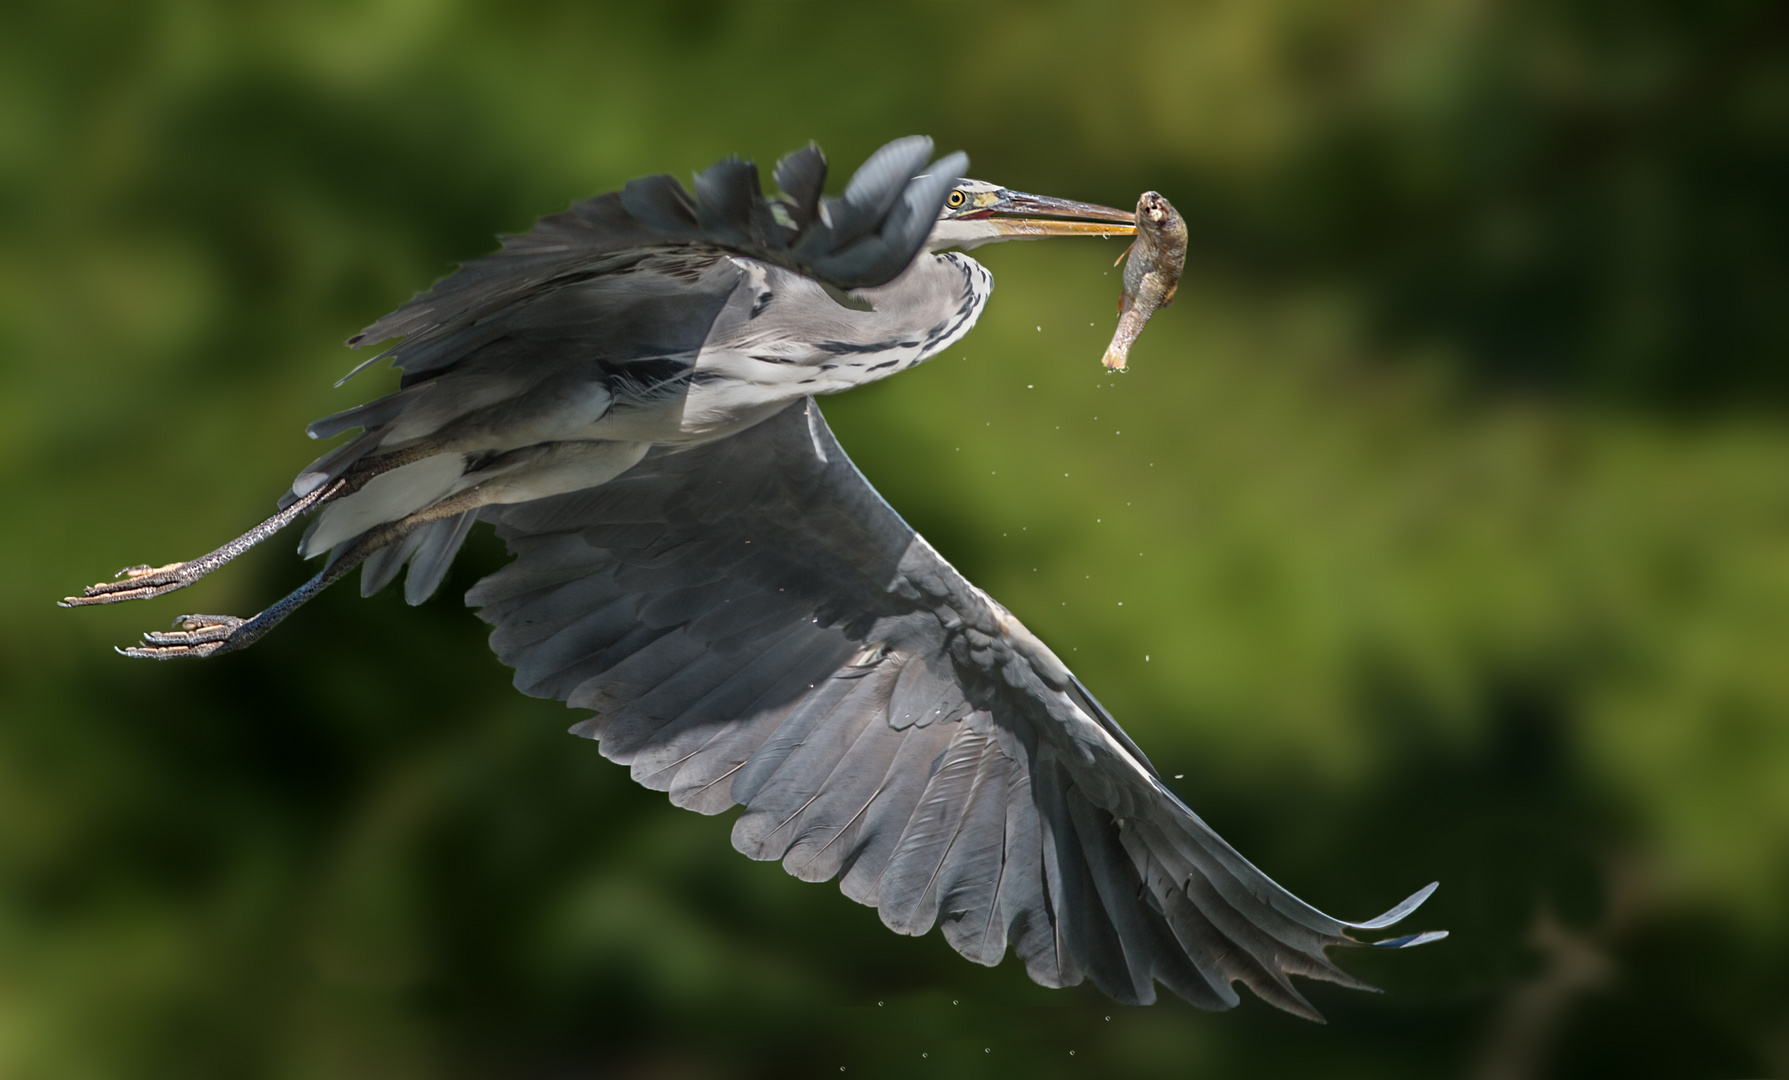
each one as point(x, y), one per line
point(1441, 530)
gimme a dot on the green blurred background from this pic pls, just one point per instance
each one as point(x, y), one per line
point(1441, 530)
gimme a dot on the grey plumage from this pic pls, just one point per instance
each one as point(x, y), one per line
point(627, 392)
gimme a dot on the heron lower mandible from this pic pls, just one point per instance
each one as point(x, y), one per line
point(627, 393)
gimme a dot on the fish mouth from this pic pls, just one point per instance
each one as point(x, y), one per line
point(1019, 214)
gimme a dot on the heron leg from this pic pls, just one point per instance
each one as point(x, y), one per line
point(200, 636)
point(144, 582)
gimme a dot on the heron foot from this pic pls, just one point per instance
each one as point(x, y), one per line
point(198, 636)
point(138, 583)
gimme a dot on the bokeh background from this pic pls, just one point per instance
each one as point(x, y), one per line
point(1441, 530)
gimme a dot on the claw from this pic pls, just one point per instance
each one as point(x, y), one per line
point(199, 636)
point(133, 583)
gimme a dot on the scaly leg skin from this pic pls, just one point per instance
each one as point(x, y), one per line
point(144, 582)
point(200, 636)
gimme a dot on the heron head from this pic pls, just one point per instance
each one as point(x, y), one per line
point(977, 212)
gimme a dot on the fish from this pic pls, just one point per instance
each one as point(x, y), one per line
point(1152, 269)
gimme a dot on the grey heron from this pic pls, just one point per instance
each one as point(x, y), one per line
point(627, 392)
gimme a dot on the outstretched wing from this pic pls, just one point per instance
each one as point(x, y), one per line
point(753, 625)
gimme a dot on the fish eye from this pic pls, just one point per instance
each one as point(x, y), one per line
point(956, 199)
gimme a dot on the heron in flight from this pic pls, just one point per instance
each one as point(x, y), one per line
point(627, 392)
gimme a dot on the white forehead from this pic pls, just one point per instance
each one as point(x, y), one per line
point(976, 187)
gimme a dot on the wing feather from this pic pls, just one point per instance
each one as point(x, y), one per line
point(1085, 936)
point(435, 555)
point(1024, 894)
point(907, 893)
point(968, 879)
point(383, 565)
point(829, 832)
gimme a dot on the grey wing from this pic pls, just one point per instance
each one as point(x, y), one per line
point(863, 237)
point(753, 625)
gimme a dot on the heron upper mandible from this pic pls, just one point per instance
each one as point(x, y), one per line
point(627, 392)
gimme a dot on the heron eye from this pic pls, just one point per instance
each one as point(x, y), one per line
point(955, 199)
